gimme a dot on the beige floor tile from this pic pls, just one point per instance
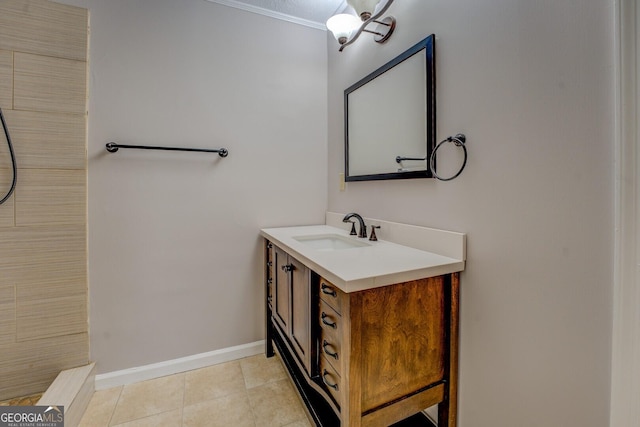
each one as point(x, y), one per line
point(101, 407)
point(276, 404)
point(231, 410)
point(300, 423)
point(147, 398)
point(213, 382)
point(258, 370)
point(166, 419)
point(212, 397)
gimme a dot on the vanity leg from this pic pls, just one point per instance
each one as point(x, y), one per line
point(268, 336)
point(448, 410)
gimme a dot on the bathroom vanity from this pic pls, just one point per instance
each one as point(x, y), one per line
point(367, 330)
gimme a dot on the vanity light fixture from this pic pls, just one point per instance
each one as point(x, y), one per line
point(346, 28)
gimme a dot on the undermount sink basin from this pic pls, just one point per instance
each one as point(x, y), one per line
point(330, 242)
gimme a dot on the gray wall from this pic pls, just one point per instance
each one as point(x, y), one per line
point(531, 85)
point(174, 254)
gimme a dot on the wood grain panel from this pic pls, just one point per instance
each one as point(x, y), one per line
point(40, 318)
point(43, 268)
point(405, 408)
point(6, 209)
point(29, 254)
point(51, 197)
point(48, 140)
point(7, 314)
point(29, 367)
point(402, 339)
point(50, 309)
point(44, 27)
point(43, 83)
point(448, 410)
point(6, 79)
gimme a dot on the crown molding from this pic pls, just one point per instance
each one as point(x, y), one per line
point(271, 13)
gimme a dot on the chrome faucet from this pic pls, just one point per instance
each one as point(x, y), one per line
point(363, 227)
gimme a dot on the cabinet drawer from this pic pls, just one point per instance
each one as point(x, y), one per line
point(330, 380)
point(331, 295)
point(329, 319)
point(331, 346)
point(330, 335)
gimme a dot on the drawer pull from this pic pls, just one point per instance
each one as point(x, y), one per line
point(269, 245)
point(287, 267)
point(325, 344)
point(269, 281)
point(328, 383)
point(328, 290)
point(269, 263)
point(323, 317)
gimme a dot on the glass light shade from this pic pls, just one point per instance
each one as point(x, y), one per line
point(342, 25)
point(364, 8)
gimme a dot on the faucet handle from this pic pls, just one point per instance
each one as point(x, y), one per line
point(373, 237)
point(353, 228)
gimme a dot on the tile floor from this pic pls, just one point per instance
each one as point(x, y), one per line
point(254, 392)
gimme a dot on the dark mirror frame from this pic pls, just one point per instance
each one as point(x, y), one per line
point(428, 46)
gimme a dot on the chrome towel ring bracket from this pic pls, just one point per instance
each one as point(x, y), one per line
point(459, 140)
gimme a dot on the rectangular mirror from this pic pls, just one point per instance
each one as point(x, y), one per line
point(390, 118)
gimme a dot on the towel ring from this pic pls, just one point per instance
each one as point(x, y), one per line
point(459, 140)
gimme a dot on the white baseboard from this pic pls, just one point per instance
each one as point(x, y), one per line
point(183, 364)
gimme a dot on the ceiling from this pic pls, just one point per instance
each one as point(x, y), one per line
point(311, 13)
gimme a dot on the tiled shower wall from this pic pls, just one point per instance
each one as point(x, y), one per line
point(43, 255)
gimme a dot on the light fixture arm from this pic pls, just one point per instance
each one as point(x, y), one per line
point(377, 33)
point(373, 18)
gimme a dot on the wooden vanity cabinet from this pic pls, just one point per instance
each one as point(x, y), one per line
point(291, 308)
point(377, 357)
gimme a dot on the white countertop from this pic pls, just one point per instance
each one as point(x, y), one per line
point(355, 269)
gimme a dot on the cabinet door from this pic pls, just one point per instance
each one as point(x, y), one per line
point(300, 311)
point(280, 285)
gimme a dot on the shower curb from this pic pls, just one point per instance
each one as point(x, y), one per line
point(72, 389)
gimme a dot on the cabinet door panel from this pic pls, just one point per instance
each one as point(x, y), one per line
point(301, 307)
point(403, 336)
point(281, 289)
